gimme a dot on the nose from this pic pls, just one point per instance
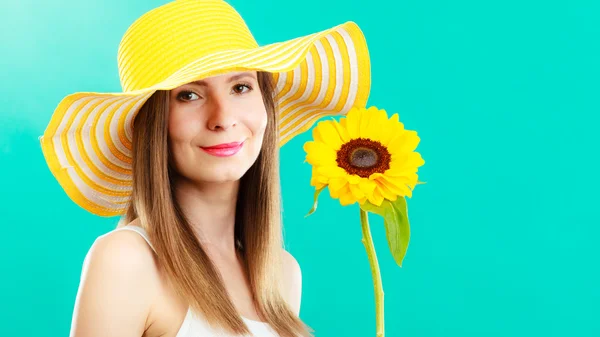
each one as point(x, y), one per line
point(221, 114)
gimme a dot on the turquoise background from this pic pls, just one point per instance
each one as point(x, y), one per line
point(504, 96)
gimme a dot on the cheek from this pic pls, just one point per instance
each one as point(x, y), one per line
point(258, 122)
point(262, 124)
point(183, 126)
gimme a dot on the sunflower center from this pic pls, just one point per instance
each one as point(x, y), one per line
point(363, 157)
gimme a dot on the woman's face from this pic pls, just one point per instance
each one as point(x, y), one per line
point(207, 121)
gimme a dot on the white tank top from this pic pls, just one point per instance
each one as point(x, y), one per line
point(194, 325)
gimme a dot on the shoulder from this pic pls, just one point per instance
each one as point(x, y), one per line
point(290, 264)
point(293, 281)
point(122, 250)
point(117, 287)
point(121, 259)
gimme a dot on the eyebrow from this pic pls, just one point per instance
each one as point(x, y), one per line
point(231, 79)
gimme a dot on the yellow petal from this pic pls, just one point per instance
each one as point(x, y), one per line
point(352, 122)
point(332, 171)
point(407, 141)
point(406, 161)
point(405, 175)
point(317, 184)
point(337, 184)
point(342, 193)
point(414, 159)
point(367, 186)
point(398, 164)
point(356, 191)
point(394, 185)
point(370, 110)
point(334, 193)
point(341, 129)
point(393, 128)
point(394, 122)
point(394, 144)
point(375, 128)
point(376, 198)
point(407, 190)
point(380, 115)
point(366, 119)
point(385, 192)
point(347, 199)
point(411, 185)
point(354, 179)
point(318, 153)
point(344, 124)
point(326, 133)
point(317, 179)
point(417, 159)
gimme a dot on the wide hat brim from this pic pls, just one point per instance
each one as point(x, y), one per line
point(87, 143)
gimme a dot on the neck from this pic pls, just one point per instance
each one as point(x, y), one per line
point(210, 210)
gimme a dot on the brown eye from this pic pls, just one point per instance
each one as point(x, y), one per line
point(187, 96)
point(239, 88)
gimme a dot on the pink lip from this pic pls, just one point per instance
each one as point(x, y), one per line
point(224, 150)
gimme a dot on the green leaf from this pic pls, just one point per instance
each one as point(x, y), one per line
point(397, 227)
point(314, 208)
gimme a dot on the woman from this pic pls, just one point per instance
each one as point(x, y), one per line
point(188, 153)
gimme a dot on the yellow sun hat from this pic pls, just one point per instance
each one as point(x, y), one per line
point(87, 143)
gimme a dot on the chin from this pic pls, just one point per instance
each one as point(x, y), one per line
point(233, 168)
point(224, 177)
point(223, 173)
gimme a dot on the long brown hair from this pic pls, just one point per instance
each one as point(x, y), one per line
point(257, 223)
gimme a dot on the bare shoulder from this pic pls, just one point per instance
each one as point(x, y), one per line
point(127, 246)
point(120, 253)
point(118, 283)
point(290, 263)
point(293, 281)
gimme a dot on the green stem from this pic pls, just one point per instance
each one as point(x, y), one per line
point(368, 242)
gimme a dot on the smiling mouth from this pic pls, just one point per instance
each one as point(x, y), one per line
point(224, 150)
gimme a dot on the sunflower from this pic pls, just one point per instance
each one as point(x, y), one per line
point(366, 156)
